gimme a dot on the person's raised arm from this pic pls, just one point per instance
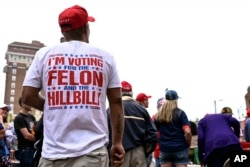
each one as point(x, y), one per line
point(117, 152)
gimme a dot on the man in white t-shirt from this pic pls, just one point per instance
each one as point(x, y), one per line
point(76, 78)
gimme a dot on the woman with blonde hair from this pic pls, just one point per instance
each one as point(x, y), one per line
point(175, 133)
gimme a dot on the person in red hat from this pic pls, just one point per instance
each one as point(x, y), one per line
point(77, 80)
point(142, 99)
point(140, 135)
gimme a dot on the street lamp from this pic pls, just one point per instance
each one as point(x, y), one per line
point(215, 108)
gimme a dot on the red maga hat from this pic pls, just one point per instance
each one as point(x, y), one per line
point(73, 18)
point(126, 87)
point(142, 97)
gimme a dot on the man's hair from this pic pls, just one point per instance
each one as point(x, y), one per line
point(20, 102)
point(127, 94)
point(75, 34)
point(193, 127)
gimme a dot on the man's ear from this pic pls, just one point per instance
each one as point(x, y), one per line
point(85, 28)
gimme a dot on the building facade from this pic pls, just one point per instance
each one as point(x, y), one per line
point(247, 98)
point(19, 57)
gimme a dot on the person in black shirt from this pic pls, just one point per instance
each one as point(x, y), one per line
point(24, 124)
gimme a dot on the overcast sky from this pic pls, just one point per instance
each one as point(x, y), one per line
point(199, 48)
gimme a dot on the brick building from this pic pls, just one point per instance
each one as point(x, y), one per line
point(18, 57)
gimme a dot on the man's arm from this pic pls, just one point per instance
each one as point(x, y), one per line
point(116, 114)
point(21, 125)
point(150, 139)
point(27, 135)
point(31, 97)
point(117, 152)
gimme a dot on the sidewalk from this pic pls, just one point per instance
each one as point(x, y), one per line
point(153, 164)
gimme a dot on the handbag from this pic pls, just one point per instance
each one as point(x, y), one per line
point(5, 159)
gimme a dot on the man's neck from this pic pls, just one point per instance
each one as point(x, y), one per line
point(24, 111)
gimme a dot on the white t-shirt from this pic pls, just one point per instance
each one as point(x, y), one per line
point(74, 77)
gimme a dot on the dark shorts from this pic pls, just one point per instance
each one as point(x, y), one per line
point(178, 157)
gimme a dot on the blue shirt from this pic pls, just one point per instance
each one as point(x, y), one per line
point(172, 136)
point(3, 146)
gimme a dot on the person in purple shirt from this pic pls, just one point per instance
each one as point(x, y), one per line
point(218, 136)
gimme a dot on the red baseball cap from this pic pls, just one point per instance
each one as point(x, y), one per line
point(248, 112)
point(126, 87)
point(142, 97)
point(73, 18)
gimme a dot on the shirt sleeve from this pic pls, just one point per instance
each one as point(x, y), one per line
point(235, 124)
point(184, 119)
point(19, 123)
point(34, 73)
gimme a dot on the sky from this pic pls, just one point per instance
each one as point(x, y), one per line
point(199, 48)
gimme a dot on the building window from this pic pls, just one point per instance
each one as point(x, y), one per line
point(12, 106)
point(13, 78)
point(12, 92)
point(12, 99)
point(27, 66)
point(13, 85)
point(14, 64)
point(13, 71)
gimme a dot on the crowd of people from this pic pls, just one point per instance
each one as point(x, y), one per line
point(78, 128)
point(168, 137)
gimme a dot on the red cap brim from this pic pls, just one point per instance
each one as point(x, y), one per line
point(91, 19)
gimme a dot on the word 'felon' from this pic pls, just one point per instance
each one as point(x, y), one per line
point(66, 77)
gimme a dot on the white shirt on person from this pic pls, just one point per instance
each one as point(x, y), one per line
point(74, 77)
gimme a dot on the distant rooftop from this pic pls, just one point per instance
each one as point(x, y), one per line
point(21, 47)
